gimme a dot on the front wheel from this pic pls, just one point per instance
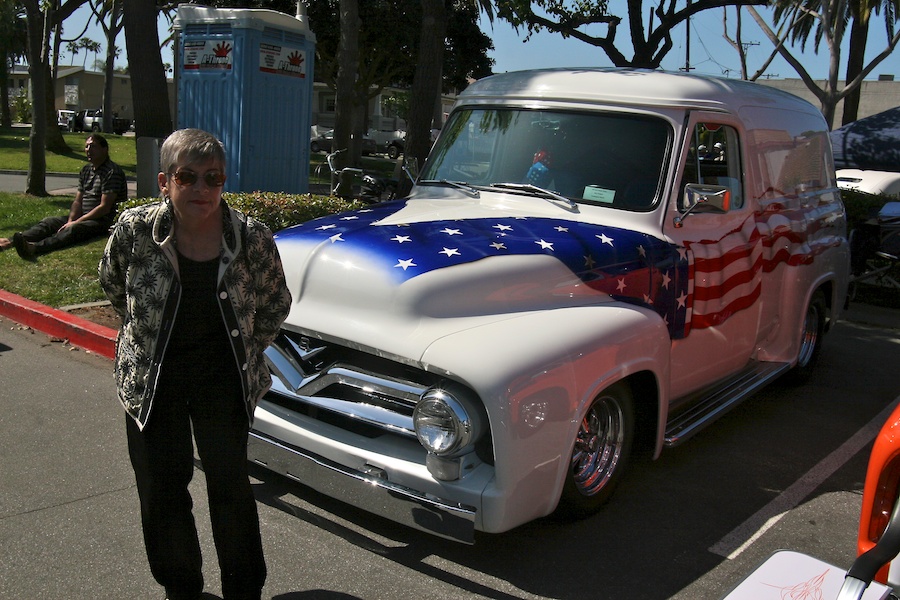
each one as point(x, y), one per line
point(811, 337)
point(393, 152)
point(600, 453)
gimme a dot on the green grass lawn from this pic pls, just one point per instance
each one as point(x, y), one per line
point(14, 145)
point(57, 279)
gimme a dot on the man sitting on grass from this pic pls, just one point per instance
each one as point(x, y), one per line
point(101, 184)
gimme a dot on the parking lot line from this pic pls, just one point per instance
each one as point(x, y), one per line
point(740, 538)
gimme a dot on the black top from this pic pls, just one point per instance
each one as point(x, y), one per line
point(199, 349)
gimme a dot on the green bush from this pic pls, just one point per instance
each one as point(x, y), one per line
point(278, 211)
point(22, 107)
point(862, 206)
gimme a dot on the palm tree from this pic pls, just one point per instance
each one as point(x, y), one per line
point(860, 12)
point(108, 14)
point(73, 47)
point(853, 14)
point(90, 45)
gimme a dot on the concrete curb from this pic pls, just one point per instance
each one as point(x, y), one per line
point(79, 332)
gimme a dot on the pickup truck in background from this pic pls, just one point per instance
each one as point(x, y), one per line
point(92, 120)
point(389, 142)
point(592, 262)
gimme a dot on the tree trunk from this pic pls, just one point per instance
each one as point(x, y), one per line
point(859, 35)
point(37, 163)
point(348, 69)
point(427, 83)
point(54, 141)
point(152, 117)
point(5, 112)
point(112, 32)
point(345, 96)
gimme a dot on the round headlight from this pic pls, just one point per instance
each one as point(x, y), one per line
point(442, 423)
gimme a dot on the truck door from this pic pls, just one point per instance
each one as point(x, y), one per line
point(719, 252)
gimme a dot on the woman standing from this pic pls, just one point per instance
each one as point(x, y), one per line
point(201, 292)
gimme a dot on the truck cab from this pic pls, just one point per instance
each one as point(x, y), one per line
point(592, 262)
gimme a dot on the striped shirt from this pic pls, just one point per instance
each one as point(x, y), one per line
point(94, 182)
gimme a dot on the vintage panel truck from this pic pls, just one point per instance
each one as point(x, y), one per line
point(591, 262)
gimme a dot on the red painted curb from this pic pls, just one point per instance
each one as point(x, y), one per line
point(57, 323)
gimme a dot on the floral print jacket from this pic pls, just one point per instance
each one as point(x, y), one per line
point(139, 273)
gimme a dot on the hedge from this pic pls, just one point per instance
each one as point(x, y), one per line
point(277, 210)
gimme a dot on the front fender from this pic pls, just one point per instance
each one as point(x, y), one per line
point(536, 374)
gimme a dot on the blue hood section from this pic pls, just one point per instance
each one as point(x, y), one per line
point(625, 264)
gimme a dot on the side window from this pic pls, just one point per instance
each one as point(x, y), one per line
point(714, 159)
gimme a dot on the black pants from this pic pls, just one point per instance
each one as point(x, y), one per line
point(47, 237)
point(162, 457)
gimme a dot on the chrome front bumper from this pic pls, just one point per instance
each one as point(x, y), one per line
point(367, 491)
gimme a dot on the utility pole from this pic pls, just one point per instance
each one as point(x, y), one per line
point(687, 47)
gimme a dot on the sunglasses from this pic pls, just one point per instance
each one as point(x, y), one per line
point(212, 179)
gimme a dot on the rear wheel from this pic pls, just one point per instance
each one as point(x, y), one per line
point(600, 452)
point(393, 152)
point(811, 338)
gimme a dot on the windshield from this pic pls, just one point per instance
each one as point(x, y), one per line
point(608, 159)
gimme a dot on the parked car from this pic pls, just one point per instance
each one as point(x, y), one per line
point(566, 282)
point(886, 183)
point(880, 496)
point(64, 119)
point(92, 120)
point(324, 142)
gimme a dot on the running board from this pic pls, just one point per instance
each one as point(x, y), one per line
point(704, 407)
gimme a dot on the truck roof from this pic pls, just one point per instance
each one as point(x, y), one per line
point(628, 87)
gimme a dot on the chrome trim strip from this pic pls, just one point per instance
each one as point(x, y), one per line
point(366, 413)
point(366, 381)
point(443, 518)
point(710, 404)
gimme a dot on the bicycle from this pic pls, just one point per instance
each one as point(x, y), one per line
point(354, 182)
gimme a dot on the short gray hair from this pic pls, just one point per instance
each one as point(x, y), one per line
point(189, 146)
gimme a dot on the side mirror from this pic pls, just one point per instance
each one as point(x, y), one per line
point(712, 198)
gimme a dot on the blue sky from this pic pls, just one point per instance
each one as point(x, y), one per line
point(710, 53)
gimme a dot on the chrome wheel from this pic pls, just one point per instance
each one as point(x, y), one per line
point(811, 337)
point(809, 340)
point(598, 447)
point(600, 451)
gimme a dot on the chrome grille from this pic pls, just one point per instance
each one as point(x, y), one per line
point(351, 388)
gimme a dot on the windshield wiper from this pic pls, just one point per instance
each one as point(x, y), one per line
point(460, 185)
point(540, 192)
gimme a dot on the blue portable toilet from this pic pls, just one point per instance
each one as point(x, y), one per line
point(246, 76)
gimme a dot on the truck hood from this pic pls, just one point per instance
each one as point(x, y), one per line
point(399, 275)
